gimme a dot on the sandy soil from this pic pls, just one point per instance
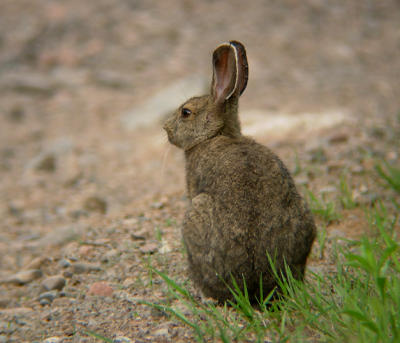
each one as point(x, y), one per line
point(83, 199)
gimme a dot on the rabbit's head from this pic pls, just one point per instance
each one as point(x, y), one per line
point(204, 117)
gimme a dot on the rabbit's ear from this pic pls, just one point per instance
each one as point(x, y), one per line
point(242, 66)
point(230, 71)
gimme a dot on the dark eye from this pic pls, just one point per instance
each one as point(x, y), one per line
point(186, 112)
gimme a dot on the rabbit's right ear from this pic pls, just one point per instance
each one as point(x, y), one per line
point(230, 71)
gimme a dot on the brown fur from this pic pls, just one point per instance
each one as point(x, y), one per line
point(243, 201)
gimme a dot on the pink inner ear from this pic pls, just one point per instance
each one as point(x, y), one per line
point(224, 73)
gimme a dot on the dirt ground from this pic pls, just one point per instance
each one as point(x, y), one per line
point(84, 199)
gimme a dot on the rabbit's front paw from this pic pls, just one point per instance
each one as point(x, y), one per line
point(198, 220)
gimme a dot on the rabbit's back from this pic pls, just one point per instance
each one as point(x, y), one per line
point(255, 202)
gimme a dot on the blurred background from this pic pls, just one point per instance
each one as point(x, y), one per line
point(84, 86)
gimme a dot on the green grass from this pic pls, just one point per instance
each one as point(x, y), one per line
point(356, 300)
point(346, 199)
point(390, 174)
point(326, 210)
point(359, 302)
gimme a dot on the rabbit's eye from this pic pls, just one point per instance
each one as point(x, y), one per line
point(186, 112)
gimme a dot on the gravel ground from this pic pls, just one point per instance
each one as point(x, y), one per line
point(87, 203)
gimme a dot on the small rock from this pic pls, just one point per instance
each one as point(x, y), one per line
point(129, 282)
point(45, 302)
point(64, 263)
point(16, 114)
point(110, 255)
point(45, 162)
point(140, 234)
point(56, 282)
point(48, 296)
point(328, 189)
point(54, 339)
point(95, 204)
point(85, 250)
point(80, 268)
point(130, 221)
point(4, 302)
point(339, 137)
point(100, 288)
point(162, 332)
point(37, 262)
point(23, 277)
point(67, 274)
point(165, 247)
point(16, 311)
point(149, 248)
point(29, 83)
point(122, 339)
point(157, 205)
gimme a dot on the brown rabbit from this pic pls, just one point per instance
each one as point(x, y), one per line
point(243, 202)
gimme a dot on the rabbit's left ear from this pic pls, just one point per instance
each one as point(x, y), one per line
point(230, 71)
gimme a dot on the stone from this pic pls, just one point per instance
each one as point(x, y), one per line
point(339, 137)
point(4, 302)
point(17, 311)
point(95, 204)
point(29, 83)
point(45, 162)
point(100, 288)
point(122, 339)
point(56, 282)
point(149, 248)
point(54, 339)
point(139, 234)
point(23, 277)
point(49, 296)
point(37, 262)
point(80, 268)
point(64, 263)
point(162, 332)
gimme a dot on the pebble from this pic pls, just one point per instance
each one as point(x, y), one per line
point(110, 255)
point(56, 282)
point(157, 205)
point(85, 250)
point(140, 234)
point(37, 262)
point(163, 332)
point(64, 263)
point(80, 268)
point(149, 248)
point(100, 288)
point(45, 162)
point(16, 311)
point(23, 277)
point(339, 137)
point(54, 339)
point(122, 339)
point(48, 296)
point(95, 204)
point(4, 302)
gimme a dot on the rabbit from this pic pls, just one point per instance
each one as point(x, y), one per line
point(244, 204)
